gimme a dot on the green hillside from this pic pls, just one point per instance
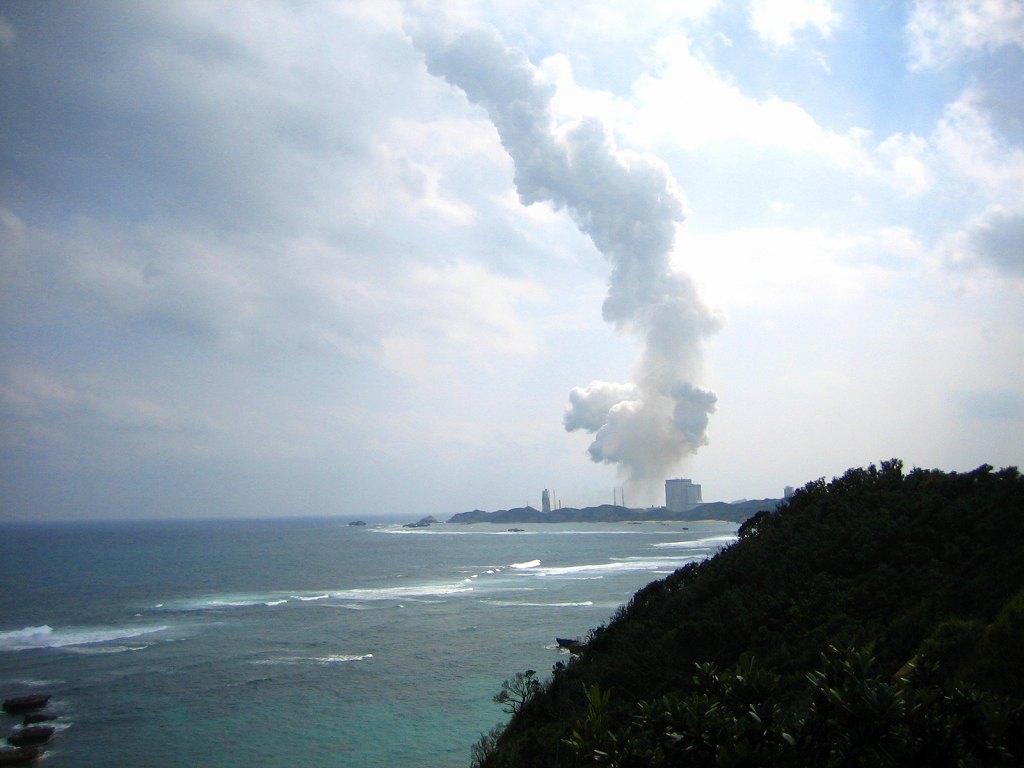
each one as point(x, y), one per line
point(874, 620)
point(614, 513)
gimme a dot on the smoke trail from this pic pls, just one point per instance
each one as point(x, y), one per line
point(629, 206)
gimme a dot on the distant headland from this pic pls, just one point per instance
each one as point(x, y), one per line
point(615, 513)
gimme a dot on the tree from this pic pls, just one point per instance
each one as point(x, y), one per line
point(518, 690)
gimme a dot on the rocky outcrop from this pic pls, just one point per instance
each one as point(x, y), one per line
point(18, 756)
point(19, 705)
point(31, 736)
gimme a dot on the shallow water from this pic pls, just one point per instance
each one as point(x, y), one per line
point(302, 641)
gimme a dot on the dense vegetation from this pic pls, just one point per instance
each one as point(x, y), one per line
point(613, 513)
point(874, 620)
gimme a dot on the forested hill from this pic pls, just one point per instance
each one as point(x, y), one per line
point(614, 513)
point(874, 620)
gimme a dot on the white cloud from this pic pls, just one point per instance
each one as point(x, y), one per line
point(940, 31)
point(267, 235)
point(993, 239)
point(459, 311)
point(906, 165)
point(688, 104)
point(777, 21)
point(974, 151)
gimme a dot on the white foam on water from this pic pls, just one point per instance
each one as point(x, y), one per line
point(624, 565)
point(274, 602)
point(45, 636)
point(323, 660)
point(215, 602)
point(89, 650)
point(434, 531)
point(711, 541)
point(516, 604)
point(397, 593)
point(310, 598)
point(342, 658)
point(524, 566)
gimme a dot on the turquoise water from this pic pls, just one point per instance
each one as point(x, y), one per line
point(302, 642)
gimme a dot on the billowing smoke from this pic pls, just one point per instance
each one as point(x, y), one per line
point(629, 206)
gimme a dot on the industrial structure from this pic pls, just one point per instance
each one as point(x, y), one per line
point(682, 495)
point(545, 501)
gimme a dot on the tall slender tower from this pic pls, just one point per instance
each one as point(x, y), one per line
point(545, 501)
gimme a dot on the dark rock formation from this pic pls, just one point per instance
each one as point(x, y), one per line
point(18, 756)
point(18, 705)
point(34, 734)
point(573, 646)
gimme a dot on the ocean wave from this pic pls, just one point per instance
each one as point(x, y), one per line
point(708, 543)
point(45, 636)
point(616, 566)
point(334, 658)
point(341, 658)
point(215, 602)
point(396, 593)
point(516, 604)
point(432, 531)
point(88, 650)
point(37, 683)
point(524, 566)
point(234, 600)
point(311, 598)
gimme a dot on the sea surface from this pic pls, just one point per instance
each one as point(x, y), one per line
point(284, 642)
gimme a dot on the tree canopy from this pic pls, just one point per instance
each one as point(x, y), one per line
point(868, 620)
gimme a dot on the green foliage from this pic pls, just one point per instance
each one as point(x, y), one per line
point(847, 715)
point(921, 571)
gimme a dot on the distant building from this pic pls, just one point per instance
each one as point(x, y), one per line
point(682, 495)
point(788, 491)
point(545, 501)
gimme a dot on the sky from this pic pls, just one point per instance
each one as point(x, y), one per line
point(404, 258)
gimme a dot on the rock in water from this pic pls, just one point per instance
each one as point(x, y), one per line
point(19, 756)
point(34, 734)
point(18, 705)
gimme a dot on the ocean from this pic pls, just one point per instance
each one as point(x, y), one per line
point(284, 642)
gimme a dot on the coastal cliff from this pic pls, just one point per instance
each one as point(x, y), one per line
point(874, 620)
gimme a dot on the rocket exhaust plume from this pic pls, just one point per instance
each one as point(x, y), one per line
point(629, 206)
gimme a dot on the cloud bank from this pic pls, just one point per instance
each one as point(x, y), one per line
point(629, 207)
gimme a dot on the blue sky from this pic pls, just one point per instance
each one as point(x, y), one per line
point(375, 257)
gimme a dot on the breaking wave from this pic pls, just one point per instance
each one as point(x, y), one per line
point(516, 604)
point(527, 564)
point(334, 658)
point(45, 636)
point(397, 593)
point(708, 543)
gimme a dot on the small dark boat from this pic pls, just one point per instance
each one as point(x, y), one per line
point(19, 705)
point(34, 734)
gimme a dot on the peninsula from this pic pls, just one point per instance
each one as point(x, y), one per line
point(614, 513)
